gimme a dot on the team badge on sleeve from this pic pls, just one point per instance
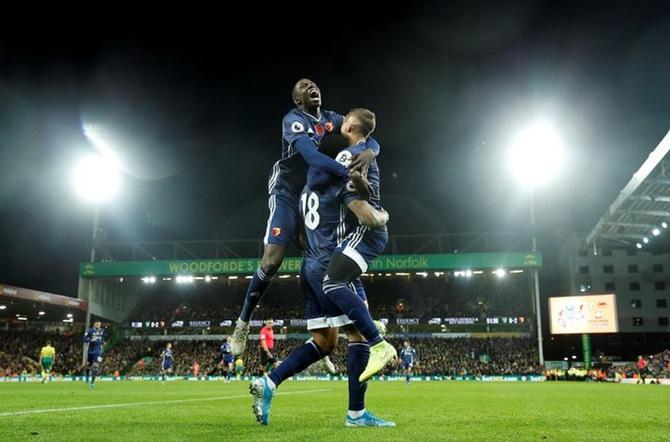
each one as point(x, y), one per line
point(276, 231)
point(297, 127)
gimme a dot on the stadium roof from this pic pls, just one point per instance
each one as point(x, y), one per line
point(642, 206)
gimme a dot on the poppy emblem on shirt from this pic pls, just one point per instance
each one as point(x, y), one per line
point(319, 129)
point(276, 231)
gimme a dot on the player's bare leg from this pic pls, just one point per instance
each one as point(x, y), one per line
point(273, 255)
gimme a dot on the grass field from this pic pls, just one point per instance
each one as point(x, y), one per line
point(182, 410)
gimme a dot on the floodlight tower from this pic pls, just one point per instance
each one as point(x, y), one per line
point(535, 158)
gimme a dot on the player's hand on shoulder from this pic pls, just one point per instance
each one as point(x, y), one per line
point(361, 184)
point(362, 160)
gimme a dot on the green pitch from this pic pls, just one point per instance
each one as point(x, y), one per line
point(205, 411)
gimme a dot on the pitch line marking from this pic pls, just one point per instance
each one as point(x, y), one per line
point(138, 404)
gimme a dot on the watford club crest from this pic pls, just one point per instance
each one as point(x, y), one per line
point(276, 231)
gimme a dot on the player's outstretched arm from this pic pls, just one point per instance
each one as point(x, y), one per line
point(307, 148)
point(368, 215)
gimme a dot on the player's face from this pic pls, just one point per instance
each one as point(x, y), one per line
point(307, 93)
point(96, 324)
point(349, 126)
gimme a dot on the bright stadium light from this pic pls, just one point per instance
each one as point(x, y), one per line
point(656, 232)
point(645, 240)
point(41, 313)
point(97, 178)
point(500, 273)
point(638, 245)
point(3, 307)
point(468, 273)
point(69, 315)
point(536, 154)
point(664, 225)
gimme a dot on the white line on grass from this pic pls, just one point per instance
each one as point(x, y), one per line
point(137, 404)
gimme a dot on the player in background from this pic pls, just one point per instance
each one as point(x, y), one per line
point(408, 356)
point(95, 338)
point(642, 369)
point(195, 369)
point(266, 342)
point(226, 359)
point(47, 358)
point(167, 361)
point(239, 367)
point(302, 131)
point(325, 218)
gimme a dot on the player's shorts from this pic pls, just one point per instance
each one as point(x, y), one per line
point(167, 364)
point(363, 245)
point(407, 364)
point(47, 363)
point(319, 310)
point(267, 360)
point(93, 357)
point(227, 359)
point(283, 222)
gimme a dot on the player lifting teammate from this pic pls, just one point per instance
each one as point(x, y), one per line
point(303, 128)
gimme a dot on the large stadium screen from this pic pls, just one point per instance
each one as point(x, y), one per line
point(583, 314)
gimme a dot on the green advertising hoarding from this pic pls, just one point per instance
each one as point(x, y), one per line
point(385, 263)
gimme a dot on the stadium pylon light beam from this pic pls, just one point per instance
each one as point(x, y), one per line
point(97, 180)
point(535, 156)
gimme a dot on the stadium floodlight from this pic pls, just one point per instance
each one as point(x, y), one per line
point(208, 278)
point(3, 307)
point(22, 318)
point(638, 245)
point(184, 279)
point(41, 313)
point(97, 178)
point(149, 279)
point(69, 315)
point(468, 273)
point(664, 225)
point(656, 232)
point(536, 154)
point(500, 273)
point(535, 157)
point(645, 240)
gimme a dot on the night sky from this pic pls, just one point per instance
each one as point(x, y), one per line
point(193, 102)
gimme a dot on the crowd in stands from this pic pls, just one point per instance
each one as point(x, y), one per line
point(391, 298)
point(19, 353)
